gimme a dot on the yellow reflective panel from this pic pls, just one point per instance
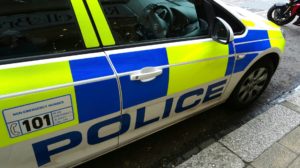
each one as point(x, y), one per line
point(18, 108)
point(211, 66)
point(194, 52)
point(101, 23)
point(85, 24)
point(191, 75)
point(248, 23)
point(34, 77)
point(276, 39)
point(271, 24)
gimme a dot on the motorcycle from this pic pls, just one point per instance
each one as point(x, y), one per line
point(284, 13)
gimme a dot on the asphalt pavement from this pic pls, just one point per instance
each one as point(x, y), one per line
point(172, 146)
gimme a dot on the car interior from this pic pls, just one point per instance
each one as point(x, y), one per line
point(237, 27)
point(31, 27)
point(139, 20)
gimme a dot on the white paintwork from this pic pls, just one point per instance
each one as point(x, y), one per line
point(52, 60)
point(156, 46)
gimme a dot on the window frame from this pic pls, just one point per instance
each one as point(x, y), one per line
point(41, 56)
point(150, 42)
point(231, 17)
point(102, 48)
point(49, 56)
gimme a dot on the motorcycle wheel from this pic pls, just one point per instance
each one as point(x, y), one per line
point(276, 11)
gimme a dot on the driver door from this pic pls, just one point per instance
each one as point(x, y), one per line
point(164, 76)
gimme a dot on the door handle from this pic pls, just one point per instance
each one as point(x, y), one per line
point(146, 74)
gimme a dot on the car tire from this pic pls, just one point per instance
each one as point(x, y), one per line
point(284, 22)
point(252, 84)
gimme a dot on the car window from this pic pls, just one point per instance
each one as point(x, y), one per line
point(134, 21)
point(235, 24)
point(31, 27)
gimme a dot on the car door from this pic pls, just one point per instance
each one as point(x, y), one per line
point(56, 94)
point(164, 79)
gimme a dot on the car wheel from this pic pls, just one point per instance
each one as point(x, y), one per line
point(252, 84)
point(275, 11)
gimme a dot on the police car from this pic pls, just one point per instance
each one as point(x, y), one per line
point(80, 78)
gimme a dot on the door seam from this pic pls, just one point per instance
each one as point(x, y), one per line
point(120, 91)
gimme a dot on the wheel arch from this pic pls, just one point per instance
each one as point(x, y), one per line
point(273, 55)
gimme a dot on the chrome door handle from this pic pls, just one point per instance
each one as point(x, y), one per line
point(146, 74)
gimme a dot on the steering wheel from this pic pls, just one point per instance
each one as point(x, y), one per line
point(159, 19)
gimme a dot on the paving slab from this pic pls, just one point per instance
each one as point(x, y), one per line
point(295, 164)
point(291, 106)
point(249, 166)
point(292, 140)
point(295, 97)
point(278, 156)
point(253, 138)
point(214, 156)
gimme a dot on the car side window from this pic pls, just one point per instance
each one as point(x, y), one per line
point(133, 21)
point(235, 24)
point(33, 27)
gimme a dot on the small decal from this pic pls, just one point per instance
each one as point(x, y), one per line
point(36, 116)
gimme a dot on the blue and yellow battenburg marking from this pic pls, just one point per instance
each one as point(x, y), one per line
point(95, 99)
point(182, 70)
point(184, 67)
point(22, 79)
point(90, 100)
point(255, 42)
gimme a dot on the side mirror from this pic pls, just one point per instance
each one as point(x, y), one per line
point(222, 32)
